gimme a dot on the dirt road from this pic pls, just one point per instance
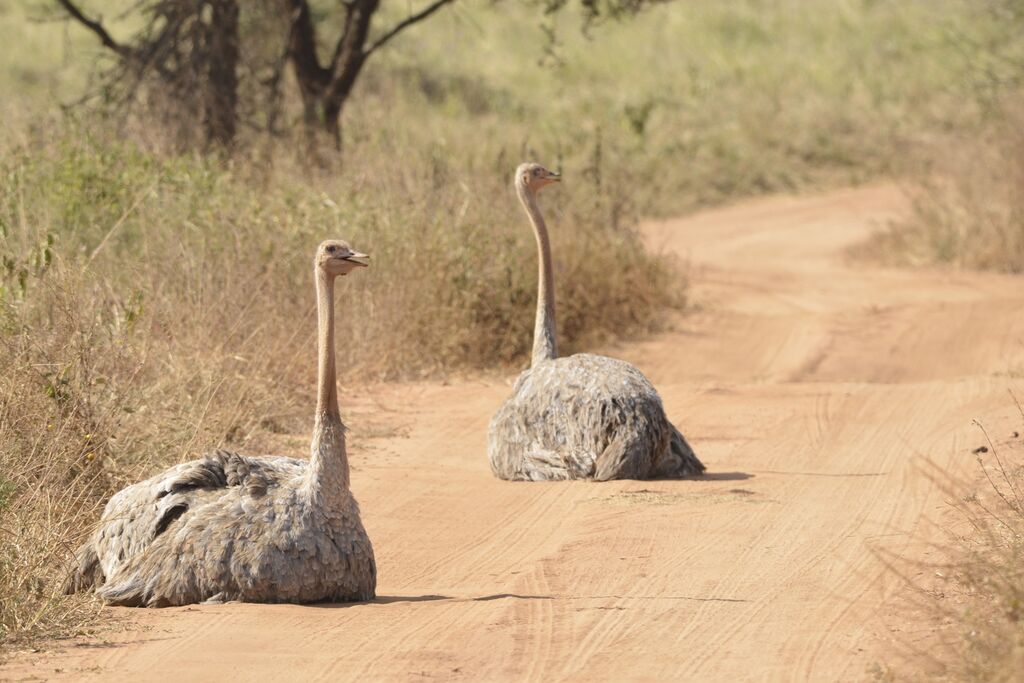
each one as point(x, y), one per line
point(812, 388)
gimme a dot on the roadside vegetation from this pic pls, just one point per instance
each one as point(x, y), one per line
point(967, 182)
point(968, 202)
point(156, 302)
point(978, 600)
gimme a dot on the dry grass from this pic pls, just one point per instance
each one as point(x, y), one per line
point(972, 595)
point(989, 573)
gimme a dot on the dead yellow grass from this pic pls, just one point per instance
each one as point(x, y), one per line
point(974, 595)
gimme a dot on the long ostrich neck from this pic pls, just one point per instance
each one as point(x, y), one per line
point(544, 345)
point(327, 385)
point(328, 461)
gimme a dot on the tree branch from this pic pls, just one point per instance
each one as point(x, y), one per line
point(94, 26)
point(350, 56)
point(343, 40)
point(302, 47)
point(406, 23)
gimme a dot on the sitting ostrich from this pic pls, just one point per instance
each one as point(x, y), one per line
point(584, 416)
point(233, 527)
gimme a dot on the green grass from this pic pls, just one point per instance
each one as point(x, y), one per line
point(699, 103)
point(689, 103)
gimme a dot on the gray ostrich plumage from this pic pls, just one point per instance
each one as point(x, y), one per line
point(582, 416)
point(233, 527)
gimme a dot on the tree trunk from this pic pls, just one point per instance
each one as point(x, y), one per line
point(326, 88)
point(332, 123)
point(193, 46)
point(221, 105)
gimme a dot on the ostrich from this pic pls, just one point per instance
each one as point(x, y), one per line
point(584, 416)
point(232, 527)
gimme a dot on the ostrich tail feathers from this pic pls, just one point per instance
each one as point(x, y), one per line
point(129, 592)
point(681, 461)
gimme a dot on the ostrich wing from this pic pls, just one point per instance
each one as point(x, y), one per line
point(139, 513)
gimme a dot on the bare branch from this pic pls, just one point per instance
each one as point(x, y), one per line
point(343, 40)
point(302, 47)
point(407, 22)
point(96, 27)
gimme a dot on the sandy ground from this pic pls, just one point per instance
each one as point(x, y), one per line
point(814, 389)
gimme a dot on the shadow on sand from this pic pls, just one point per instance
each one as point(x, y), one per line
point(514, 596)
point(390, 599)
point(719, 476)
point(827, 474)
point(382, 600)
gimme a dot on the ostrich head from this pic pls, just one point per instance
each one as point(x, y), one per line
point(532, 176)
point(335, 257)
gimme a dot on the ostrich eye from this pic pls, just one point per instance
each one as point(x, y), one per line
point(536, 172)
point(332, 249)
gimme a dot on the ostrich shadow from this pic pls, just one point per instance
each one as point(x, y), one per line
point(392, 599)
point(720, 476)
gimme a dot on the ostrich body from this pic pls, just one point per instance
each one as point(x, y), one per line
point(233, 527)
point(582, 416)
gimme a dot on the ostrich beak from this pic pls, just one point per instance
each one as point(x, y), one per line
point(357, 258)
point(554, 177)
